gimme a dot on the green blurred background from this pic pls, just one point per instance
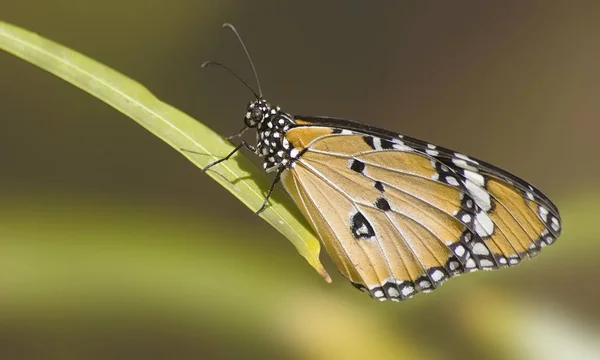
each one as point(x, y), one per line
point(112, 245)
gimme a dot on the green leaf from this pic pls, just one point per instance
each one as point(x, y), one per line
point(238, 175)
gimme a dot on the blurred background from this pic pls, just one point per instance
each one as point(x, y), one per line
point(111, 245)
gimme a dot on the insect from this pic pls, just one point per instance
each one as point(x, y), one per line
point(397, 215)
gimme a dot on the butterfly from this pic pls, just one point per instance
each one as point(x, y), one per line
point(398, 216)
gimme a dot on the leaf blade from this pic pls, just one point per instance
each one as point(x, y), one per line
point(239, 176)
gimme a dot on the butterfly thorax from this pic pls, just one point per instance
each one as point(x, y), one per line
point(271, 143)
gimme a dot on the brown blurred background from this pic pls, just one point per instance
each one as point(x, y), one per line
point(111, 245)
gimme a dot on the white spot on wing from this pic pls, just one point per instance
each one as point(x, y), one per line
point(473, 176)
point(543, 213)
point(451, 180)
point(465, 157)
point(466, 218)
point(486, 263)
point(477, 192)
point(484, 226)
point(377, 143)
point(555, 224)
point(402, 147)
point(393, 292)
point(470, 264)
point(407, 290)
point(545, 232)
point(480, 249)
point(468, 237)
point(463, 164)
point(437, 275)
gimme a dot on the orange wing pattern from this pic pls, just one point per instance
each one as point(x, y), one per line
point(399, 216)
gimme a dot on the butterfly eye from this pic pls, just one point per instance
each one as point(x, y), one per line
point(257, 114)
point(253, 116)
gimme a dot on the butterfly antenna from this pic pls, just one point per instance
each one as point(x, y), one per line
point(232, 28)
point(207, 63)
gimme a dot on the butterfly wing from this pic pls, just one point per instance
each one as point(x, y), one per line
point(400, 216)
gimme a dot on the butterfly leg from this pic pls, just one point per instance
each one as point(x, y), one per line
point(238, 134)
point(275, 181)
point(237, 148)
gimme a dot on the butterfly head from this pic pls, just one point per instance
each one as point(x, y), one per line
point(257, 111)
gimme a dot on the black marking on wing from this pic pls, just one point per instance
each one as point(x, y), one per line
point(383, 204)
point(370, 141)
point(357, 166)
point(360, 227)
